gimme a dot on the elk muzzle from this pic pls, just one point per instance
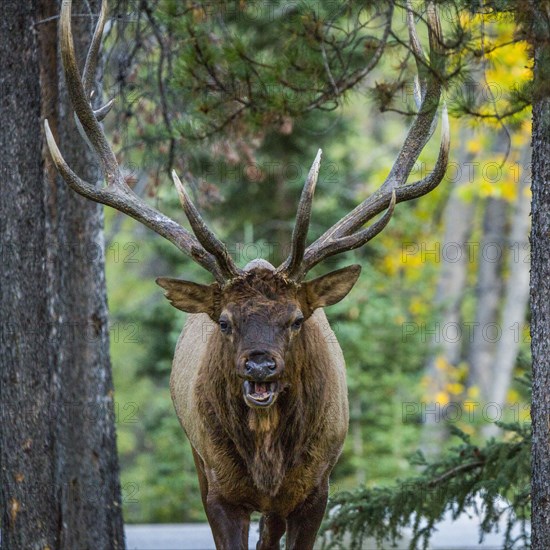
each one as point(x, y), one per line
point(261, 372)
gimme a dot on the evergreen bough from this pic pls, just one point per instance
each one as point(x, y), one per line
point(493, 481)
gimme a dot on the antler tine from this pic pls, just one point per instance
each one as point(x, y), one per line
point(78, 95)
point(205, 236)
point(89, 73)
point(128, 202)
point(116, 193)
point(90, 65)
point(333, 240)
point(377, 202)
point(419, 55)
point(349, 242)
point(103, 111)
point(430, 92)
point(419, 88)
point(299, 235)
point(416, 45)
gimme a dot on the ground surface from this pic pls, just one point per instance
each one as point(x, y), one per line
point(462, 534)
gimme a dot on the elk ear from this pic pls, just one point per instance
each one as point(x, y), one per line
point(187, 296)
point(329, 289)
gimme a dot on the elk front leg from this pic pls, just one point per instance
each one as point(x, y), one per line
point(272, 528)
point(304, 522)
point(201, 474)
point(229, 523)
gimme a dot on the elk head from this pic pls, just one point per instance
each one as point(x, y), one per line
point(260, 315)
point(259, 310)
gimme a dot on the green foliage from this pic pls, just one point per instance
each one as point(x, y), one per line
point(262, 61)
point(493, 481)
point(160, 483)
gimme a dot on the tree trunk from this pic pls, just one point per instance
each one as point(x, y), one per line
point(516, 296)
point(58, 463)
point(540, 275)
point(458, 218)
point(485, 331)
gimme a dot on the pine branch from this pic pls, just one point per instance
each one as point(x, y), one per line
point(496, 475)
point(453, 472)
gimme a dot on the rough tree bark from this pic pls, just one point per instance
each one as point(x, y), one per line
point(539, 32)
point(58, 463)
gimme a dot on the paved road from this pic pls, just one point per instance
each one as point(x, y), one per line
point(462, 534)
point(195, 536)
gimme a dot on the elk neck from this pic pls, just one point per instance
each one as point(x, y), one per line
point(268, 441)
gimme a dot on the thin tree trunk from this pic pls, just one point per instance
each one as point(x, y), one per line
point(486, 330)
point(516, 297)
point(540, 275)
point(448, 300)
point(58, 463)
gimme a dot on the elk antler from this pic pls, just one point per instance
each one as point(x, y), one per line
point(204, 247)
point(303, 215)
point(347, 234)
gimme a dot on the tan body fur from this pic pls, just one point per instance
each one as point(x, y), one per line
point(291, 447)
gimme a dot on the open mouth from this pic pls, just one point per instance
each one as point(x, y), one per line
point(260, 394)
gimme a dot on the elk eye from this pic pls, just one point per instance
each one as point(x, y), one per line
point(296, 325)
point(225, 326)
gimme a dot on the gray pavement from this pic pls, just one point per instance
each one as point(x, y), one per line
point(190, 536)
point(462, 534)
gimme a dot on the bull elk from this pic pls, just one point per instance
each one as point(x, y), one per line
point(261, 397)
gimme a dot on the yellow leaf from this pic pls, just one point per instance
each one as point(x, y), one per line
point(473, 146)
point(487, 189)
point(440, 363)
point(509, 191)
point(442, 398)
point(417, 306)
point(455, 388)
point(512, 396)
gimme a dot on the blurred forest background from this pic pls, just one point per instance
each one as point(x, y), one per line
point(435, 333)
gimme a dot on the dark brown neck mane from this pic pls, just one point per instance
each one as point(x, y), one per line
point(268, 442)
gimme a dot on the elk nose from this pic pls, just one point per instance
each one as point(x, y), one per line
point(259, 366)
